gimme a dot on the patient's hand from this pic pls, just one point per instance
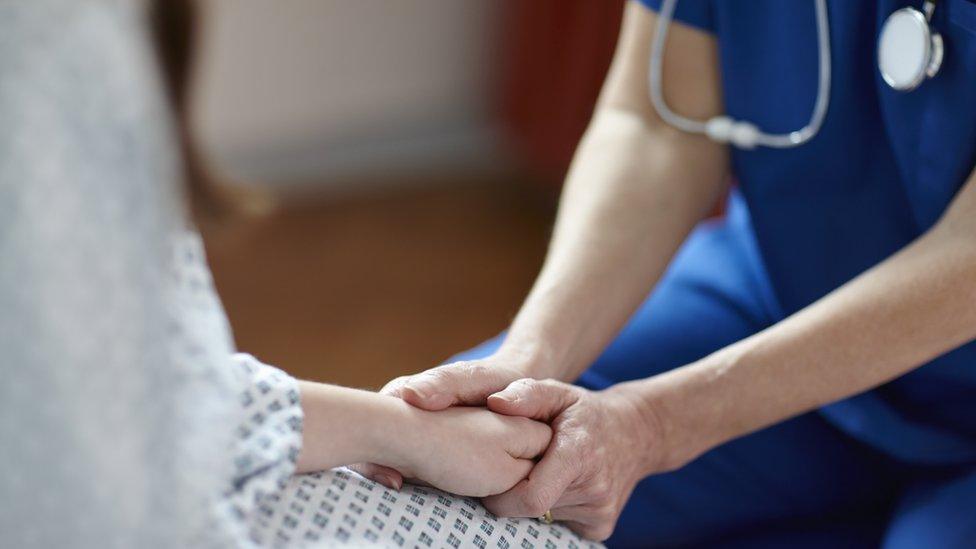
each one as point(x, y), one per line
point(467, 451)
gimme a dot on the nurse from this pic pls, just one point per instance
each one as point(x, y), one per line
point(799, 371)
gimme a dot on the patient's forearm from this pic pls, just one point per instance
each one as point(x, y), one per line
point(344, 426)
point(465, 450)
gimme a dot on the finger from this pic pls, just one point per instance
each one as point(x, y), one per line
point(541, 399)
point(464, 383)
point(419, 482)
point(531, 439)
point(522, 469)
point(576, 494)
point(394, 386)
point(537, 493)
point(391, 478)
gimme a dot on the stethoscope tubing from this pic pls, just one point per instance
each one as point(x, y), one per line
point(780, 141)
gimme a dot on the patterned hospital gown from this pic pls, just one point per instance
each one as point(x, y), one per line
point(127, 419)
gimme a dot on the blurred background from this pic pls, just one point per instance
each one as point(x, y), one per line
point(404, 159)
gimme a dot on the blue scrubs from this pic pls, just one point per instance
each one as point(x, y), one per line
point(896, 466)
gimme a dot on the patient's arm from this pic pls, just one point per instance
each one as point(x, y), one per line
point(467, 451)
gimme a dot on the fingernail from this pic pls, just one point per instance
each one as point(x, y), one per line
point(387, 481)
point(502, 396)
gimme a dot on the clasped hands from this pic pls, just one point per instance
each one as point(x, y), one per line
point(602, 443)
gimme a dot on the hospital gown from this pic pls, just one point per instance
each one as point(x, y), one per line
point(127, 419)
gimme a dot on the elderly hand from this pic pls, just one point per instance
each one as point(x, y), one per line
point(603, 444)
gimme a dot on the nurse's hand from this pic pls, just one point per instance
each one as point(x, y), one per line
point(603, 444)
point(466, 383)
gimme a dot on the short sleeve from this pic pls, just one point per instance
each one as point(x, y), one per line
point(697, 13)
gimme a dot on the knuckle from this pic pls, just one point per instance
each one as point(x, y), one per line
point(439, 373)
point(569, 393)
point(551, 383)
point(584, 440)
point(525, 385)
point(461, 371)
point(599, 489)
point(477, 369)
point(438, 376)
point(566, 451)
point(606, 513)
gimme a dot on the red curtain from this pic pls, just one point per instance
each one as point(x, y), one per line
point(555, 54)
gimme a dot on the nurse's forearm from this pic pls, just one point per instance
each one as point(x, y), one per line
point(632, 197)
point(917, 305)
point(635, 189)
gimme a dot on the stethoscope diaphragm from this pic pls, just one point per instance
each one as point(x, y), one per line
point(908, 50)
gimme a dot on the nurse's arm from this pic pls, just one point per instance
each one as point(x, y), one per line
point(907, 310)
point(634, 191)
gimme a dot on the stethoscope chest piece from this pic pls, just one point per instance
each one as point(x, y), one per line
point(908, 50)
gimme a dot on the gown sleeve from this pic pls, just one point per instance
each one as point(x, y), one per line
point(268, 436)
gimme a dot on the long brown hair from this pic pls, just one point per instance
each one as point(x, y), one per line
point(175, 27)
point(174, 32)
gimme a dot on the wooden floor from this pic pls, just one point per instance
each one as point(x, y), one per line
point(356, 290)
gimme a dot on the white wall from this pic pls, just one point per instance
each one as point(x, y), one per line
point(324, 89)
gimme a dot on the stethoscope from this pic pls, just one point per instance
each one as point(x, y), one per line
point(909, 51)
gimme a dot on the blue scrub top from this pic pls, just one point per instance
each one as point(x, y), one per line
point(883, 168)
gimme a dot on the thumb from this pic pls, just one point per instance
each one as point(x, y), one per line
point(460, 383)
point(536, 494)
point(542, 399)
